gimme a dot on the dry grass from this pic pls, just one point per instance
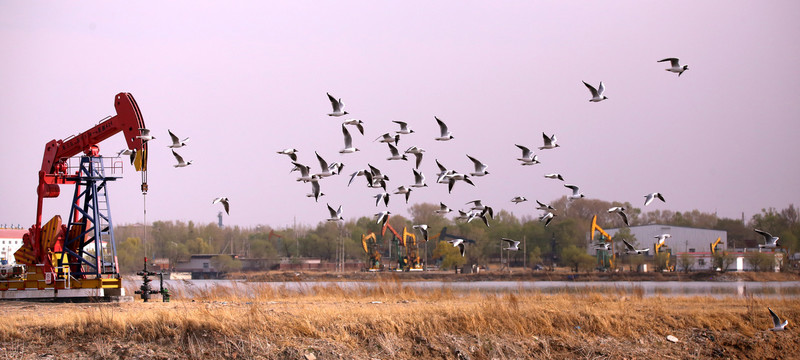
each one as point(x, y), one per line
point(393, 321)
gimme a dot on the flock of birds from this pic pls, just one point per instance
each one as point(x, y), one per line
point(377, 180)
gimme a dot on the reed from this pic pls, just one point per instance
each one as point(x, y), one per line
point(390, 320)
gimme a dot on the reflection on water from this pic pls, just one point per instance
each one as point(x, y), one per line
point(786, 289)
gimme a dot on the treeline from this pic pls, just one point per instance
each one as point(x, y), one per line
point(178, 241)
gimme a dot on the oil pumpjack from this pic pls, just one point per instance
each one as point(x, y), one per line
point(78, 259)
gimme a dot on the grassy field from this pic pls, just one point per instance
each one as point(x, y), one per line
point(391, 321)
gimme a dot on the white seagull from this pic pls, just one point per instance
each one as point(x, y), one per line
point(305, 171)
point(382, 217)
point(291, 152)
point(777, 325)
point(419, 179)
point(403, 128)
point(376, 174)
point(652, 196)
point(363, 172)
point(404, 190)
point(675, 66)
point(549, 142)
point(621, 211)
point(518, 199)
point(442, 172)
point(444, 133)
point(770, 242)
point(417, 154)
point(176, 143)
point(543, 206)
point(144, 134)
point(338, 106)
point(547, 218)
point(388, 138)
point(396, 154)
point(528, 157)
point(443, 209)
point(336, 215)
point(513, 245)
point(459, 243)
point(480, 168)
point(357, 123)
point(315, 191)
point(382, 196)
point(452, 178)
point(348, 142)
point(326, 171)
point(179, 158)
point(423, 228)
point(225, 203)
point(661, 238)
point(554, 176)
point(597, 94)
point(576, 192)
point(632, 250)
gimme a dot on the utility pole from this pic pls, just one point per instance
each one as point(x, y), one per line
point(524, 252)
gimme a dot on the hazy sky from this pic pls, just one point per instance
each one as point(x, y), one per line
point(246, 80)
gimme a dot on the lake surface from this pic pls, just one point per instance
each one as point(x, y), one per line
point(196, 288)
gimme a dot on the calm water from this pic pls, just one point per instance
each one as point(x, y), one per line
point(786, 289)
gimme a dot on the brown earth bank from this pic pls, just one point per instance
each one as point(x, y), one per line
point(516, 275)
point(395, 322)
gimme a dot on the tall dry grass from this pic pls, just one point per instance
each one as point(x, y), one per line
point(388, 320)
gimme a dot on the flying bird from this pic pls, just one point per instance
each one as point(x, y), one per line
point(597, 94)
point(315, 191)
point(388, 138)
point(513, 245)
point(480, 214)
point(291, 152)
point(554, 176)
point(547, 218)
point(621, 211)
point(382, 196)
point(404, 190)
point(543, 206)
point(382, 217)
point(423, 228)
point(396, 154)
point(650, 197)
point(336, 215)
point(348, 142)
point(632, 250)
point(576, 192)
point(452, 178)
point(363, 172)
point(225, 203)
point(176, 143)
point(419, 179)
point(326, 171)
point(179, 158)
point(480, 168)
point(528, 157)
point(661, 238)
point(518, 199)
point(376, 174)
point(144, 134)
point(459, 243)
point(403, 128)
point(443, 171)
point(417, 154)
point(338, 106)
point(444, 133)
point(357, 123)
point(675, 66)
point(777, 325)
point(549, 142)
point(130, 153)
point(443, 209)
point(770, 242)
point(305, 171)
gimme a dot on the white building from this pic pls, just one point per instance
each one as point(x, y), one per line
point(10, 242)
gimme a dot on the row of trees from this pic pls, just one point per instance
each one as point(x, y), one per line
point(178, 240)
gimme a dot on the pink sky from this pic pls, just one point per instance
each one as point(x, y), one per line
point(246, 81)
